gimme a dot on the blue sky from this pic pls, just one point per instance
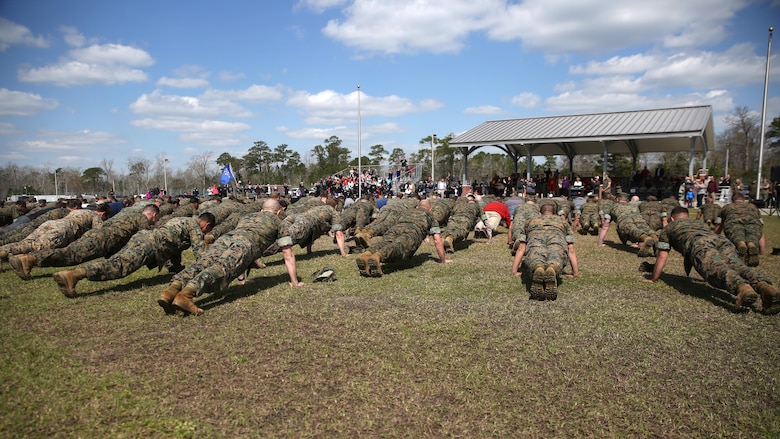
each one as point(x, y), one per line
point(83, 81)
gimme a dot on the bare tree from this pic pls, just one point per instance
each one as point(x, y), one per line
point(138, 168)
point(108, 168)
point(203, 166)
point(741, 139)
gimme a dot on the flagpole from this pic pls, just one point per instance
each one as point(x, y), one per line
point(763, 115)
point(360, 151)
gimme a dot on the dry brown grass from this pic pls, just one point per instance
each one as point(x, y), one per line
point(428, 350)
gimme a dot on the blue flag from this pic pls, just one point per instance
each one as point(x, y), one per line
point(227, 175)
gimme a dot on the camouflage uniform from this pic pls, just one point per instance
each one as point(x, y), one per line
point(20, 232)
point(357, 215)
point(184, 210)
point(54, 234)
point(709, 213)
point(229, 223)
point(464, 217)
point(742, 222)
point(441, 208)
point(306, 227)
point(713, 256)
point(653, 213)
point(102, 242)
point(151, 248)
point(232, 253)
point(669, 203)
point(402, 240)
point(523, 213)
point(589, 217)
point(547, 239)
point(630, 224)
point(388, 216)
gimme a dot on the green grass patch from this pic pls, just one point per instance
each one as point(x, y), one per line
point(428, 350)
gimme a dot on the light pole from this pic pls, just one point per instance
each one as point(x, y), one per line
point(360, 151)
point(56, 193)
point(433, 175)
point(763, 114)
point(165, 176)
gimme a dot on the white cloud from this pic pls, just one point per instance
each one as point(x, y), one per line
point(554, 26)
point(7, 128)
point(106, 64)
point(48, 141)
point(159, 104)
point(182, 82)
point(438, 26)
point(319, 5)
point(526, 100)
point(330, 107)
point(201, 131)
point(600, 26)
point(19, 103)
point(12, 34)
point(254, 94)
point(483, 109)
point(224, 75)
point(73, 37)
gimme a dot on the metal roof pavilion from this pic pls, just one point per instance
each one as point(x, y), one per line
point(628, 132)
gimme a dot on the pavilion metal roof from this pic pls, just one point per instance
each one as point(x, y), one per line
point(641, 131)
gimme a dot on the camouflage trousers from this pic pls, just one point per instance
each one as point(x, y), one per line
point(742, 229)
point(590, 221)
point(715, 258)
point(632, 228)
point(47, 235)
point(383, 223)
point(226, 259)
point(546, 250)
point(137, 253)
point(459, 226)
point(399, 242)
point(94, 244)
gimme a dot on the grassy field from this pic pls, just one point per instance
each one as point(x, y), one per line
point(428, 350)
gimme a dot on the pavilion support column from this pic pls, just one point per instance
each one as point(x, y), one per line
point(691, 156)
point(464, 176)
point(529, 162)
point(606, 144)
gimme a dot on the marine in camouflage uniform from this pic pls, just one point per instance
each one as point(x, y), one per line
point(401, 241)
point(229, 223)
point(52, 234)
point(741, 222)
point(357, 215)
point(152, 248)
point(464, 217)
point(709, 212)
point(653, 213)
point(545, 249)
point(523, 213)
point(20, 232)
point(716, 259)
point(630, 226)
point(96, 243)
point(306, 227)
point(230, 256)
point(188, 208)
point(441, 208)
point(386, 218)
point(588, 217)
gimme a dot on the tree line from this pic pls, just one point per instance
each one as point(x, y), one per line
point(261, 164)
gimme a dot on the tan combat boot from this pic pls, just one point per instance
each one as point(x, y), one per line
point(183, 301)
point(752, 254)
point(770, 298)
point(746, 296)
point(22, 265)
point(362, 263)
point(537, 283)
point(67, 280)
point(448, 245)
point(742, 251)
point(550, 283)
point(363, 237)
point(167, 296)
point(375, 263)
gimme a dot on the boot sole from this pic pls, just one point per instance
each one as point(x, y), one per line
point(376, 270)
point(63, 285)
point(363, 267)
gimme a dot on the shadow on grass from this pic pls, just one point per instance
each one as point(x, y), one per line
point(161, 279)
point(701, 290)
point(236, 292)
point(620, 246)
